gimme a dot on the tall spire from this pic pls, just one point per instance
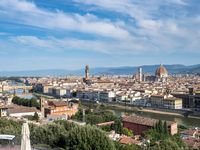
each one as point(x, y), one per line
point(86, 72)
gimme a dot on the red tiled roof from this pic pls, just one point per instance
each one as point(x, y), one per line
point(22, 109)
point(57, 103)
point(128, 140)
point(192, 142)
point(5, 106)
point(189, 132)
point(105, 123)
point(142, 120)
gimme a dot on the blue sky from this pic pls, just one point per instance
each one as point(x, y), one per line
point(68, 34)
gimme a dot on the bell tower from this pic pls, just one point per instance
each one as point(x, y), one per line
point(86, 72)
point(42, 109)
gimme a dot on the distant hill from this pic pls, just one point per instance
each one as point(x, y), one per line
point(172, 69)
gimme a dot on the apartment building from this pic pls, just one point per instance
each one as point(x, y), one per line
point(169, 102)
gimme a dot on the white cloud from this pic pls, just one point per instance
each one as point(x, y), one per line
point(172, 31)
point(150, 32)
point(3, 33)
point(28, 13)
point(180, 2)
point(134, 46)
point(52, 44)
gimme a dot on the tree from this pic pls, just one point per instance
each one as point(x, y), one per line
point(160, 126)
point(127, 132)
point(60, 134)
point(168, 144)
point(67, 125)
point(88, 138)
point(130, 147)
point(156, 127)
point(78, 115)
point(49, 134)
point(94, 119)
point(117, 126)
point(26, 102)
point(106, 128)
point(119, 146)
point(160, 138)
point(36, 116)
point(166, 132)
point(10, 127)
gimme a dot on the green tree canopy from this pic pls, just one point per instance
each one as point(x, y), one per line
point(160, 139)
point(127, 132)
point(117, 126)
point(88, 138)
point(26, 102)
point(36, 116)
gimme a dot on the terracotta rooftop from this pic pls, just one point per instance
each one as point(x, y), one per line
point(128, 140)
point(57, 103)
point(22, 109)
point(105, 123)
point(6, 106)
point(192, 142)
point(189, 132)
point(142, 120)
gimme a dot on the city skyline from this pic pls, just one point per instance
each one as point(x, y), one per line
point(101, 33)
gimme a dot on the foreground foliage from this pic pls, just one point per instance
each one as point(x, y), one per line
point(119, 146)
point(69, 136)
point(95, 117)
point(10, 127)
point(160, 139)
point(88, 138)
point(61, 134)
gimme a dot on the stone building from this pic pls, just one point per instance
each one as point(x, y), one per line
point(141, 124)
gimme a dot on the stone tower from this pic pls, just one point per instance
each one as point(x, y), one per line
point(42, 103)
point(140, 75)
point(86, 72)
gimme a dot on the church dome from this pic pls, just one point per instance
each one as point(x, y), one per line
point(161, 71)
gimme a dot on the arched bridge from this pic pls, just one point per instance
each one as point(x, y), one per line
point(17, 87)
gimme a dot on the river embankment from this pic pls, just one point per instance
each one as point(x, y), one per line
point(170, 115)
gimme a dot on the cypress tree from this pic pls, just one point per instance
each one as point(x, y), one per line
point(165, 128)
point(160, 126)
point(156, 127)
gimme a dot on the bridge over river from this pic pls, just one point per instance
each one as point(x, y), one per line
point(16, 87)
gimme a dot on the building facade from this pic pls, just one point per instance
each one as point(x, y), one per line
point(60, 108)
point(168, 102)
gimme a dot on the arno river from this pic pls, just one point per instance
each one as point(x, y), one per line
point(180, 120)
point(188, 122)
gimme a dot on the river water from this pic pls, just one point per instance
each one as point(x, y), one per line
point(188, 122)
point(22, 94)
point(19, 92)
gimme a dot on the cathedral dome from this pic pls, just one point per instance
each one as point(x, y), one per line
point(161, 71)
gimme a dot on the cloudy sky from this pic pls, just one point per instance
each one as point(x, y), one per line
point(68, 34)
